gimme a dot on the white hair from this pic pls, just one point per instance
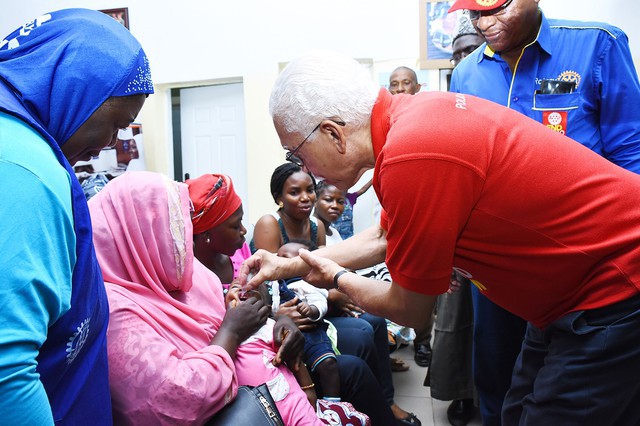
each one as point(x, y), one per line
point(320, 85)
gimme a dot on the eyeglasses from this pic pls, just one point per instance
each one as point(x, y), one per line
point(476, 14)
point(291, 155)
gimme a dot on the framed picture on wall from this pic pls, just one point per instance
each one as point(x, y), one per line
point(436, 33)
point(121, 15)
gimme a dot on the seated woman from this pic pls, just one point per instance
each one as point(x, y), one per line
point(294, 190)
point(365, 338)
point(220, 246)
point(176, 355)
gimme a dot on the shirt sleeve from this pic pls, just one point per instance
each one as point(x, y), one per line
point(151, 378)
point(314, 296)
point(425, 218)
point(620, 105)
point(38, 254)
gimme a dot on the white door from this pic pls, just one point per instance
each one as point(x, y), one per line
point(213, 133)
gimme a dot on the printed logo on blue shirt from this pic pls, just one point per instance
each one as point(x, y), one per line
point(76, 341)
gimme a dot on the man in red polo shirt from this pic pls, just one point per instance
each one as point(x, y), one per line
point(541, 225)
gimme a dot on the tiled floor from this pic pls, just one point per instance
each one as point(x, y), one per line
point(412, 396)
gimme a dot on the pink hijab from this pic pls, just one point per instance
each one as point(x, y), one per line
point(165, 307)
point(153, 255)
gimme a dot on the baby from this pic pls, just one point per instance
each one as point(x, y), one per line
point(311, 303)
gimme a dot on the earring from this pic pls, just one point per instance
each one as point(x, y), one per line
point(208, 240)
point(281, 204)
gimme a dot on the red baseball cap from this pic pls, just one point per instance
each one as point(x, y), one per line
point(476, 4)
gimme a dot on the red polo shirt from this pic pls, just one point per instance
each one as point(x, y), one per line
point(542, 225)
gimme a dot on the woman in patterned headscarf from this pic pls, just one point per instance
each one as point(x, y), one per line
point(68, 81)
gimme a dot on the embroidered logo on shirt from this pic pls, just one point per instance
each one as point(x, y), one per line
point(76, 341)
point(486, 3)
point(555, 120)
point(570, 76)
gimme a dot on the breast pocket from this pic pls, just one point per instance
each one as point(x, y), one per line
point(561, 102)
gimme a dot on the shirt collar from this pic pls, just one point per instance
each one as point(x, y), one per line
point(380, 121)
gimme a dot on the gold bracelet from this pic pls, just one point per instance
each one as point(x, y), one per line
point(308, 386)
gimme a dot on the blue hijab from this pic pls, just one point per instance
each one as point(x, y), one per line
point(55, 72)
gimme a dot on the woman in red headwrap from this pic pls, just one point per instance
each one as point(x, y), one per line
point(219, 244)
point(217, 225)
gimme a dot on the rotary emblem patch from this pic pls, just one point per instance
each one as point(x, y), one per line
point(486, 3)
point(570, 76)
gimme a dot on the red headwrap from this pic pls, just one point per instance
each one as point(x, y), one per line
point(214, 200)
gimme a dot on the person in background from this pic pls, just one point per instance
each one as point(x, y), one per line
point(576, 78)
point(63, 97)
point(405, 80)
point(219, 244)
point(344, 223)
point(450, 375)
point(544, 226)
point(330, 203)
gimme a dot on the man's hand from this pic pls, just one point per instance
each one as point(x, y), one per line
point(322, 269)
point(264, 266)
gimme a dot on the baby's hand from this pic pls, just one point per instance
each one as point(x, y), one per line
point(304, 309)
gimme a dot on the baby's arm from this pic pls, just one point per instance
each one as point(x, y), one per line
point(313, 296)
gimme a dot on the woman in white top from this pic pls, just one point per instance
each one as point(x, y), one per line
point(329, 206)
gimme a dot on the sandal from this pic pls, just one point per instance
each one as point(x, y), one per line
point(398, 365)
point(410, 420)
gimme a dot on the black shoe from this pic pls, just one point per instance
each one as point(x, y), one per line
point(423, 355)
point(410, 420)
point(460, 412)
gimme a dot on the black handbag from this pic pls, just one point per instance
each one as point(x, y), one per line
point(252, 406)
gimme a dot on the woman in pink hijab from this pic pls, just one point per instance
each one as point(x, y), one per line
point(176, 354)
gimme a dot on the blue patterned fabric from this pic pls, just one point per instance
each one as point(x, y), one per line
point(54, 73)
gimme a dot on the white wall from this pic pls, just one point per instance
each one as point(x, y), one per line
point(205, 42)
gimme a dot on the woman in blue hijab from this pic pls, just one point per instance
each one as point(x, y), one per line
point(68, 81)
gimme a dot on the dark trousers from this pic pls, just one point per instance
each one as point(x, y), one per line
point(359, 387)
point(366, 338)
point(583, 369)
point(450, 374)
point(497, 340)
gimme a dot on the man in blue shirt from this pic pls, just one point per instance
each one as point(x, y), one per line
point(577, 78)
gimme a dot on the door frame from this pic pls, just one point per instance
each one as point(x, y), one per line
point(174, 91)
